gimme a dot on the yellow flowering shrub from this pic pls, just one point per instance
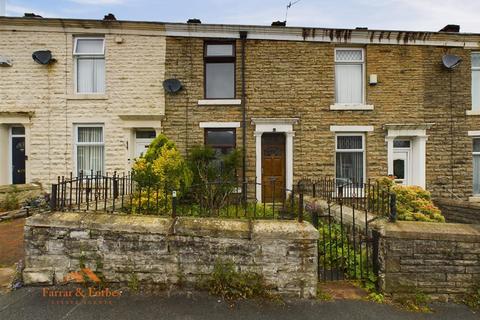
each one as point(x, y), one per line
point(413, 202)
point(157, 174)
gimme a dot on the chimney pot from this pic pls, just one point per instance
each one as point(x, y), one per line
point(194, 20)
point(279, 23)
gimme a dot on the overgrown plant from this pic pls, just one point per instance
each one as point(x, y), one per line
point(413, 202)
point(232, 285)
point(417, 302)
point(158, 173)
point(214, 178)
point(11, 201)
point(472, 300)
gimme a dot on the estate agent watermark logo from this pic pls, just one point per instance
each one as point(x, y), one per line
point(92, 290)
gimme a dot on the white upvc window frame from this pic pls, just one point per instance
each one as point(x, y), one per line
point(475, 153)
point(360, 105)
point(78, 56)
point(76, 144)
point(363, 150)
point(475, 110)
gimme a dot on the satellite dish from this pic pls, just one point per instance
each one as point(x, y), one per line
point(5, 62)
point(172, 85)
point(43, 57)
point(451, 61)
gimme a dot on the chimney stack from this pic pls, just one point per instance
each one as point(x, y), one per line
point(3, 8)
point(451, 28)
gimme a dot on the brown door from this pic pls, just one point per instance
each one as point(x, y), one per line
point(273, 167)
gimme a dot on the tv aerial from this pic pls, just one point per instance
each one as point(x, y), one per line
point(289, 5)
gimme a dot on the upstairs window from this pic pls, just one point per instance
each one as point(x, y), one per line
point(89, 56)
point(476, 166)
point(221, 140)
point(349, 76)
point(219, 70)
point(350, 158)
point(476, 81)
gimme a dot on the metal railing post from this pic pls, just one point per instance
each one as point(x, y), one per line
point(174, 204)
point(393, 207)
point(53, 197)
point(300, 206)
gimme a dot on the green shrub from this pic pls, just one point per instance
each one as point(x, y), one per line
point(214, 179)
point(413, 203)
point(159, 172)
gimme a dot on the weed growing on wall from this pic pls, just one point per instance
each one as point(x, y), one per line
point(418, 302)
point(230, 284)
point(472, 300)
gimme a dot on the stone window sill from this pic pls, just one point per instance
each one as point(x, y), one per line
point(351, 107)
point(87, 97)
point(220, 102)
point(473, 112)
point(474, 199)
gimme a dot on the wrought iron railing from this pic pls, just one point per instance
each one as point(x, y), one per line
point(121, 193)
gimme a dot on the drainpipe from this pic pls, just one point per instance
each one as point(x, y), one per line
point(243, 38)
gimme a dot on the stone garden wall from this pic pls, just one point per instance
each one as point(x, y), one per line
point(169, 252)
point(441, 260)
point(459, 211)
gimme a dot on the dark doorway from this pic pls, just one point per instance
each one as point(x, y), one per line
point(18, 155)
point(273, 167)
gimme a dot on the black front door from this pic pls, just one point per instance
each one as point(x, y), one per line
point(18, 160)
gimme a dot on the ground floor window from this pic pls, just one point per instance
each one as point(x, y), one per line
point(476, 166)
point(350, 158)
point(89, 148)
point(222, 140)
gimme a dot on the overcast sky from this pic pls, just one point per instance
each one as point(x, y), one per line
point(428, 15)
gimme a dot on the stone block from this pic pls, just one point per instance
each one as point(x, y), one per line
point(38, 276)
point(80, 234)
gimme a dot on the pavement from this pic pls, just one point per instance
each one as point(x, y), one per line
point(11, 242)
point(32, 303)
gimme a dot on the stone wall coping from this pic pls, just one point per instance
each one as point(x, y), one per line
point(457, 203)
point(71, 220)
point(188, 226)
point(212, 227)
point(287, 230)
point(432, 231)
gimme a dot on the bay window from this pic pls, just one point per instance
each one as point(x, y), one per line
point(349, 76)
point(350, 158)
point(476, 166)
point(476, 81)
point(219, 58)
point(89, 56)
point(89, 148)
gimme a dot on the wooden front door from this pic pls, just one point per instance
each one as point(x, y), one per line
point(273, 167)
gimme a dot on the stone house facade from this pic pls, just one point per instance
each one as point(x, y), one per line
point(409, 100)
point(57, 129)
point(354, 104)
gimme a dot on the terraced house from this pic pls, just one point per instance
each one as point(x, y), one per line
point(301, 102)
